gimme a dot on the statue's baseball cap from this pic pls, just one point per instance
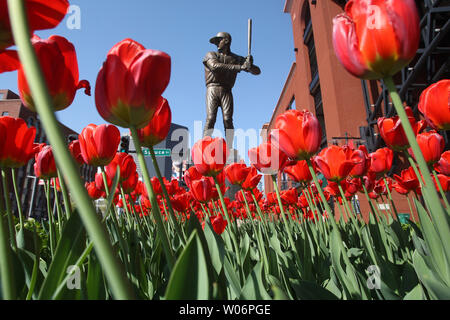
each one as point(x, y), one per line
point(215, 40)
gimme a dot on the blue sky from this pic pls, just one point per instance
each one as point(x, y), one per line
point(182, 29)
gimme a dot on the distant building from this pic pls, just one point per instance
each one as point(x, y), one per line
point(31, 192)
point(347, 107)
point(172, 154)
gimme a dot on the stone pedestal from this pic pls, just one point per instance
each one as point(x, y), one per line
point(232, 158)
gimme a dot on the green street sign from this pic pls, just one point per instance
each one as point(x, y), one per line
point(163, 152)
point(146, 152)
point(158, 152)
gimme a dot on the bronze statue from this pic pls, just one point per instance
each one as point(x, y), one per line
point(221, 69)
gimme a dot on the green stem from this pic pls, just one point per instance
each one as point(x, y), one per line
point(12, 228)
point(6, 266)
point(37, 252)
point(258, 209)
point(444, 198)
point(166, 195)
point(112, 268)
point(151, 194)
point(283, 217)
point(390, 199)
point(322, 195)
point(16, 193)
point(67, 204)
point(58, 208)
point(50, 218)
point(125, 205)
point(234, 231)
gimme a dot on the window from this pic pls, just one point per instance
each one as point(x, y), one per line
point(2, 95)
point(317, 94)
point(308, 40)
point(291, 105)
point(284, 181)
point(314, 86)
point(5, 113)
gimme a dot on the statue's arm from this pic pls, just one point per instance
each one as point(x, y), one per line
point(215, 65)
point(255, 70)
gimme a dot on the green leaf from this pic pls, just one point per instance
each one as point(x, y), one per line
point(95, 284)
point(189, 279)
point(434, 243)
point(216, 247)
point(254, 288)
point(69, 249)
point(307, 290)
point(415, 294)
point(432, 282)
point(112, 193)
point(233, 279)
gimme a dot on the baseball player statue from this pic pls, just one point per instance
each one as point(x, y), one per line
point(221, 69)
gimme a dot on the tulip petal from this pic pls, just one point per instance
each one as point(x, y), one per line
point(44, 14)
point(346, 46)
point(9, 61)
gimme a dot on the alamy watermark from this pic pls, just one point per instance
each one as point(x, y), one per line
point(73, 17)
point(374, 279)
point(74, 278)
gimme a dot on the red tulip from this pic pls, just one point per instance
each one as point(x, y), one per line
point(299, 172)
point(335, 163)
point(368, 181)
point(218, 224)
point(267, 158)
point(380, 186)
point(432, 145)
point(381, 160)
point(181, 202)
point(45, 166)
point(126, 164)
point(156, 185)
point(297, 133)
point(374, 39)
point(92, 190)
point(443, 165)
point(252, 180)
point(130, 84)
point(99, 144)
point(210, 155)
point(272, 198)
point(129, 185)
point(240, 198)
point(158, 127)
point(236, 173)
point(289, 197)
point(406, 182)
point(435, 104)
point(361, 159)
point(41, 14)
point(16, 142)
point(58, 61)
point(444, 182)
point(75, 151)
point(391, 130)
point(190, 175)
point(201, 189)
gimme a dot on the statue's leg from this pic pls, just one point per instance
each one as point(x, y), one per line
point(227, 111)
point(212, 104)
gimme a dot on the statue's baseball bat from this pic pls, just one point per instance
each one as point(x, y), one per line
point(249, 37)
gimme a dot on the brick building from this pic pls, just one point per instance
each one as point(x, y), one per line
point(347, 107)
point(31, 192)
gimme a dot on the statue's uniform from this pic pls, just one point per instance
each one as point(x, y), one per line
point(220, 75)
